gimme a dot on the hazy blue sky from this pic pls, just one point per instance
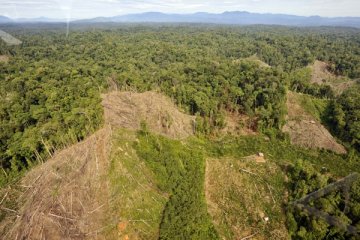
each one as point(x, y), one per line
point(93, 8)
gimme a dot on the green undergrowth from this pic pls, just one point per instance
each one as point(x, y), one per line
point(158, 183)
point(179, 171)
point(279, 151)
point(316, 107)
point(136, 203)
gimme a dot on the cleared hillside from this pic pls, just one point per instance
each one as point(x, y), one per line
point(65, 197)
point(305, 130)
point(75, 194)
point(320, 74)
point(242, 200)
point(128, 110)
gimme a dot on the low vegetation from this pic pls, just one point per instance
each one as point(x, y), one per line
point(245, 197)
point(137, 203)
point(229, 156)
point(179, 170)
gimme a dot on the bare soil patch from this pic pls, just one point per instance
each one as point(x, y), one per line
point(127, 110)
point(320, 74)
point(305, 130)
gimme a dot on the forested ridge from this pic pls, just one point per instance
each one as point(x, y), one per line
point(50, 93)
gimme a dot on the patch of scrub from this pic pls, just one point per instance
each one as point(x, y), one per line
point(180, 170)
point(254, 58)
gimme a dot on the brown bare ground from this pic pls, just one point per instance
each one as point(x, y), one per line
point(305, 130)
point(321, 75)
point(127, 110)
point(4, 58)
point(239, 199)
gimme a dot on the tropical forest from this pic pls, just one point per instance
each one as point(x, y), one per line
point(179, 131)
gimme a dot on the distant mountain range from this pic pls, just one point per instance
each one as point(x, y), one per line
point(4, 19)
point(29, 20)
point(237, 18)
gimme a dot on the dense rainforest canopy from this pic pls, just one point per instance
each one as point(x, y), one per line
point(50, 90)
point(50, 87)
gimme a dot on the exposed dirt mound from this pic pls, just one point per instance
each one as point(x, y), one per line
point(67, 195)
point(4, 58)
point(127, 110)
point(305, 130)
point(241, 198)
point(320, 74)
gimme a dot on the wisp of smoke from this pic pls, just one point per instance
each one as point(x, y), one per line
point(66, 6)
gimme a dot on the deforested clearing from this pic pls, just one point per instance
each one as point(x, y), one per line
point(305, 130)
point(128, 110)
point(320, 74)
point(66, 197)
point(242, 200)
